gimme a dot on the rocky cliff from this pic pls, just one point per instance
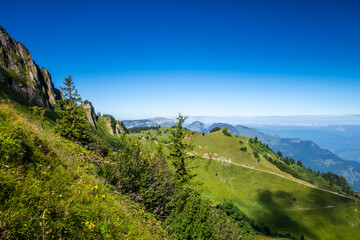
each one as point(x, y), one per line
point(90, 113)
point(21, 73)
point(113, 126)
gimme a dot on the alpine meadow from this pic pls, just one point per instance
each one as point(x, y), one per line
point(180, 120)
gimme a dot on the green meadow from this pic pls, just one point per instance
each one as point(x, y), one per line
point(282, 205)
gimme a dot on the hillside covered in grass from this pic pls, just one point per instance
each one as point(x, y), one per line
point(288, 203)
point(49, 190)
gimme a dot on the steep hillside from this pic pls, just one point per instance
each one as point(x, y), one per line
point(49, 189)
point(22, 74)
point(269, 196)
point(70, 190)
point(236, 169)
point(308, 152)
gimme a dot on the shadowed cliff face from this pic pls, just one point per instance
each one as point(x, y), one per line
point(22, 74)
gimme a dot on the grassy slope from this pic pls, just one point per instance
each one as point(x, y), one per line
point(264, 197)
point(268, 198)
point(49, 189)
point(103, 132)
point(159, 135)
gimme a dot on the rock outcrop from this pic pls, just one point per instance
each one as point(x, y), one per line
point(113, 126)
point(22, 74)
point(90, 113)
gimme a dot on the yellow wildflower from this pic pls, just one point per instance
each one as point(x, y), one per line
point(90, 225)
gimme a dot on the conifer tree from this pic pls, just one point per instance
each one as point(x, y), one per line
point(300, 163)
point(179, 150)
point(73, 123)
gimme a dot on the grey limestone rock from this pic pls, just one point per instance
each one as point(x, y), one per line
point(22, 74)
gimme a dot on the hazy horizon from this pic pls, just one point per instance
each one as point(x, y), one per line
point(294, 120)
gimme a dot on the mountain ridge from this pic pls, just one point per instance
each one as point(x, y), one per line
point(19, 72)
point(150, 122)
point(314, 157)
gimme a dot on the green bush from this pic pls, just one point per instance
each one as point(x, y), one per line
point(197, 219)
point(147, 179)
point(215, 129)
point(235, 213)
point(226, 133)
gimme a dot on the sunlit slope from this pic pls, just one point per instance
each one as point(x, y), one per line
point(220, 147)
point(49, 189)
point(276, 201)
point(160, 134)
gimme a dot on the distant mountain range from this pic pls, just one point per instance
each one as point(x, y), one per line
point(152, 122)
point(264, 121)
point(343, 140)
point(308, 152)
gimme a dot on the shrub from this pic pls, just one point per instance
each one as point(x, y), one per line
point(197, 219)
point(226, 133)
point(215, 129)
point(235, 213)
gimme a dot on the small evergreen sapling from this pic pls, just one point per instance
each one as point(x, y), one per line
point(73, 123)
point(179, 150)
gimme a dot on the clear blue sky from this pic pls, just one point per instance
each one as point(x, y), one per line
point(137, 59)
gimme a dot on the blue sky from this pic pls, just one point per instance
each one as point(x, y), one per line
point(137, 59)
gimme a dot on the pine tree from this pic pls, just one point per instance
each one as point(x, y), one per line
point(70, 92)
point(299, 163)
point(179, 150)
point(73, 123)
